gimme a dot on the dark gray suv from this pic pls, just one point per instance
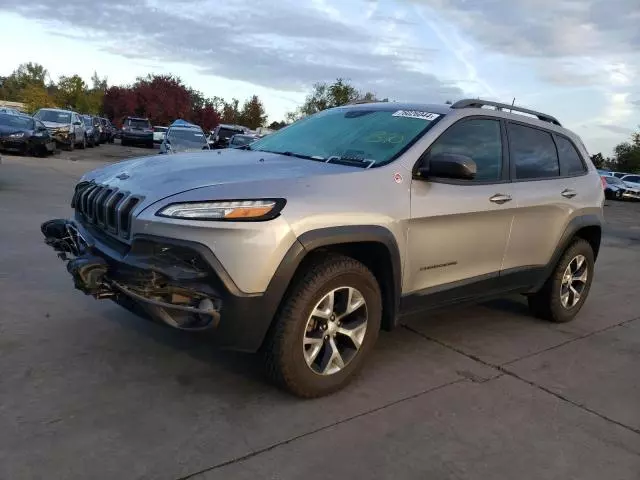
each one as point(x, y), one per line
point(306, 243)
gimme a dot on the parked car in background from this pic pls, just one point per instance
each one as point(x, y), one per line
point(109, 130)
point(24, 134)
point(614, 188)
point(136, 131)
point(605, 173)
point(65, 126)
point(240, 140)
point(222, 133)
point(632, 180)
point(11, 111)
point(92, 130)
point(184, 137)
point(620, 174)
point(159, 133)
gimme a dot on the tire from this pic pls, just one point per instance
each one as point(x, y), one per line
point(83, 145)
point(123, 142)
point(283, 349)
point(619, 195)
point(548, 302)
point(72, 144)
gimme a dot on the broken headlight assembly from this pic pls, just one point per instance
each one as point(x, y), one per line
point(229, 210)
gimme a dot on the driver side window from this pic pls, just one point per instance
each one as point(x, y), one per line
point(481, 140)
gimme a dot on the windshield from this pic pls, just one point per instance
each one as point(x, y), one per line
point(16, 121)
point(87, 121)
point(378, 136)
point(186, 139)
point(613, 180)
point(241, 140)
point(53, 116)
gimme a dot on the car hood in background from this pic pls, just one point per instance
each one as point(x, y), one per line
point(7, 130)
point(159, 176)
point(55, 124)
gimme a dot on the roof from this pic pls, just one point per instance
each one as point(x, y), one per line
point(183, 123)
point(393, 106)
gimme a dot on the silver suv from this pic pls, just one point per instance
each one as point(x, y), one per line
point(304, 244)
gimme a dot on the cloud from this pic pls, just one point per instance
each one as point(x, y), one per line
point(547, 28)
point(287, 48)
point(616, 129)
point(636, 102)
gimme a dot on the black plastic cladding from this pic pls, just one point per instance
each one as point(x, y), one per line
point(106, 207)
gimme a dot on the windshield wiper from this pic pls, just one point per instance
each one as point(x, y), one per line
point(351, 161)
point(297, 155)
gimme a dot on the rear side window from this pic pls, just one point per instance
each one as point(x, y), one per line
point(479, 139)
point(570, 160)
point(533, 153)
point(632, 178)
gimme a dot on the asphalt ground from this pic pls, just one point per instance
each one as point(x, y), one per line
point(89, 391)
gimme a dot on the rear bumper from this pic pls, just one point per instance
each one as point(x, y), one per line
point(137, 137)
point(179, 283)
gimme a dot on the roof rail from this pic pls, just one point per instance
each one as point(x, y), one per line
point(477, 103)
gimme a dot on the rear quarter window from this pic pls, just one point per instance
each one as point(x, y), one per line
point(533, 153)
point(570, 160)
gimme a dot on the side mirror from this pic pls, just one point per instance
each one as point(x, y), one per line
point(448, 165)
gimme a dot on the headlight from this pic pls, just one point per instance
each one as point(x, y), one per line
point(233, 210)
point(17, 135)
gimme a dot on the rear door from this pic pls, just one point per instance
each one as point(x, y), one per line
point(547, 193)
point(459, 229)
point(633, 180)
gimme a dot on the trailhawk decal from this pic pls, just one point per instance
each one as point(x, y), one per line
point(416, 114)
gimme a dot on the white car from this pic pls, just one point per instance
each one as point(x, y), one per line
point(159, 133)
point(632, 180)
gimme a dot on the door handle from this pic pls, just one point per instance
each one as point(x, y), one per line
point(568, 193)
point(499, 198)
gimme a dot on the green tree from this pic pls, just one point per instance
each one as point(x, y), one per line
point(72, 93)
point(35, 97)
point(328, 95)
point(253, 114)
point(598, 160)
point(25, 75)
point(231, 112)
point(627, 155)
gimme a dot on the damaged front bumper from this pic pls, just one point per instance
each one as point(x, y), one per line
point(171, 283)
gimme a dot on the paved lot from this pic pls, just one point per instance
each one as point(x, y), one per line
point(89, 391)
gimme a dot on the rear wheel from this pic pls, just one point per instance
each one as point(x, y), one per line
point(123, 142)
point(325, 329)
point(566, 290)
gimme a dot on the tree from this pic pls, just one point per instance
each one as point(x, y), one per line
point(627, 155)
point(162, 98)
point(35, 97)
point(25, 75)
point(598, 160)
point(230, 112)
point(253, 114)
point(277, 125)
point(207, 117)
point(325, 95)
point(72, 93)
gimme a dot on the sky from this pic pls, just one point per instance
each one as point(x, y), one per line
point(578, 60)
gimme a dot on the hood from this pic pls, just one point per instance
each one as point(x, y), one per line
point(55, 124)
point(159, 176)
point(8, 130)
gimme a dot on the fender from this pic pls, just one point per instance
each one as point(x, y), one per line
point(575, 225)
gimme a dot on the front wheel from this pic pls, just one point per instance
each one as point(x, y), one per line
point(566, 290)
point(72, 144)
point(326, 328)
point(83, 144)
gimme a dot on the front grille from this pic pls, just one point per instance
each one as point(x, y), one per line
point(105, 207)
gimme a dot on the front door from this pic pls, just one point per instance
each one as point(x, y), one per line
point(459, 230)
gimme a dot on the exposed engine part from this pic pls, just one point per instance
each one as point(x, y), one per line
point(64, 237)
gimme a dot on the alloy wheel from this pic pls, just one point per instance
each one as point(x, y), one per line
point(574, 281)
point(335, 330)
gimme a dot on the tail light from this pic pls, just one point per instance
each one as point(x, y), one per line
point(604, 183)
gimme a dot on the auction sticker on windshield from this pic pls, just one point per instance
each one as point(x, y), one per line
point(416, 114)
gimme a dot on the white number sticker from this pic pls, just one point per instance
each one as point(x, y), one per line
point(416, 114)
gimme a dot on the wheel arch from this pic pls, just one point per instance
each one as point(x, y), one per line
point(373, 245)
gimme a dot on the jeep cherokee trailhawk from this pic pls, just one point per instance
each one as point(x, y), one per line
point(304, 244)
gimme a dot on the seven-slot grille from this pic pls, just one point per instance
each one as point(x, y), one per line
point(105, 207)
